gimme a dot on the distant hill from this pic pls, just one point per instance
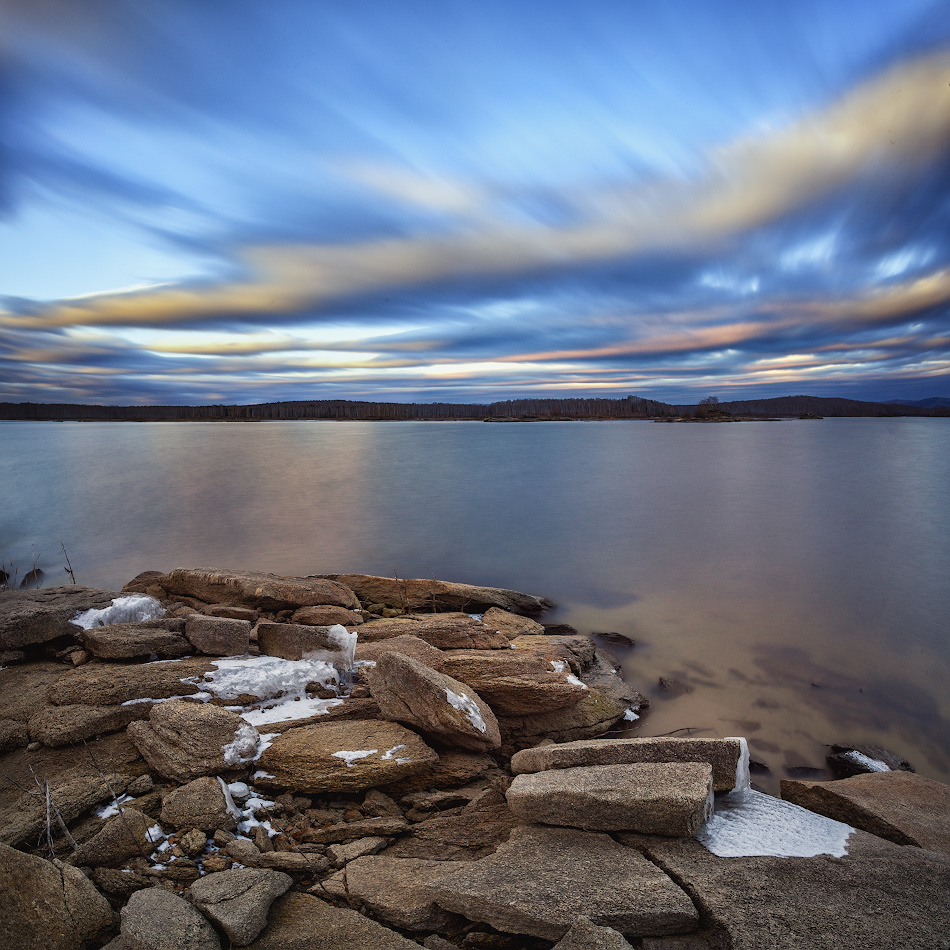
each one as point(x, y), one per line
point(630, 407)
point(934, 402)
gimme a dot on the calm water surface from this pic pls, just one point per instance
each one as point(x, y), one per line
point(791, 578)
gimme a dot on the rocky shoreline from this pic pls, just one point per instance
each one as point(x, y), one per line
point(214, 759)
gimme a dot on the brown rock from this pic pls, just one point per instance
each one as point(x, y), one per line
point(304, 922)
point(238, 900)
point(13, 735)
point(23, 688)
point(262, 591)
point(232, 612)
point(454, 768)
point(38, 616)
point(510, 624)
point(419, 594)
point(409, 692)
point(578, 650)
point(327, 616)
point(198, 804)
point(184, 740)
point(514, 683)
point(721, 754)
point(407, 645)
point(443, 631)
point(348, 756)
point(591, 717)
point(157, 919)
point(26, 819)
point(63, 725)
point(393, 889)
point(902, 807)
point(346, 831)
point(542, 879)
point(657, 798)
point(48, 905)
point(292, 641)
point(218, 636)
point(476, 831)
point(111, 684)
point(123, 836)
point(125, 641)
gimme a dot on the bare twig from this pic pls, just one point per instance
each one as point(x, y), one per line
point(69, 567)
point(402, 592)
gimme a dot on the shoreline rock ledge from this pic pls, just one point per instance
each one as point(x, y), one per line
point(210, 759)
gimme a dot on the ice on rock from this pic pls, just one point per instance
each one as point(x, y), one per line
point(134, 608)
point(468, 706)
point(630, 715)
point(229, 798)
point(107, 811)
point(872, 765)
point(560, 666)
point(747, 823)
point(351, 758)
point(390, 753)
point(244, 747)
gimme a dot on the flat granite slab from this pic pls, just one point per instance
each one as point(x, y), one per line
point(722, 754)
point(903, 807)
point(542, 879)
point(879, 895)
point(658, 798)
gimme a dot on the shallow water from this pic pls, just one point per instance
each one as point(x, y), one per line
point(787, 580)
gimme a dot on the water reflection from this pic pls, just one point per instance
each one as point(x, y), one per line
point(745, 561)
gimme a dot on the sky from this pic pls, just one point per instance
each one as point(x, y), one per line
point(449, 200)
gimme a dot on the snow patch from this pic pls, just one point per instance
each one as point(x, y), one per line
point(244, 747)
point(469, 707)
point(229, 798)
point(134, 608)
point(351, 758)
point(107, 811)
point(630, 715)
point(747, 823)
point(391, 752)
point(872, 765)
point(574, 681)
point(559, 666)
point(285, 710)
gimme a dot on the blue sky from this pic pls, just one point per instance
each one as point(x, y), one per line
point(244, 201)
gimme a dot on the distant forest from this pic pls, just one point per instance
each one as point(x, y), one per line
point(631, 407)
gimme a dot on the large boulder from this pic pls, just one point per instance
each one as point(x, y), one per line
point(156, 919)
point(410, 692)
point(660, 798)
point(252, 589)
point(393, 889)
point(218, 636)
point(111, 684)
point(48, 905)
point(198, 804)
point(542, 879)
point(184, 740)
point(578, 650)
point(585, 935)
point(417, 594)
point(38, 616)
point(515, 683)
point(901, 806)
point(64, 725)
point(238, 900)
point(304, 922)
point(443, 631)
point(407, 644)
point(722, 754)
point(878, 895)
point(348, 756)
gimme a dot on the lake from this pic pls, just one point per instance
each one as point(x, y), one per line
point(788, 580)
